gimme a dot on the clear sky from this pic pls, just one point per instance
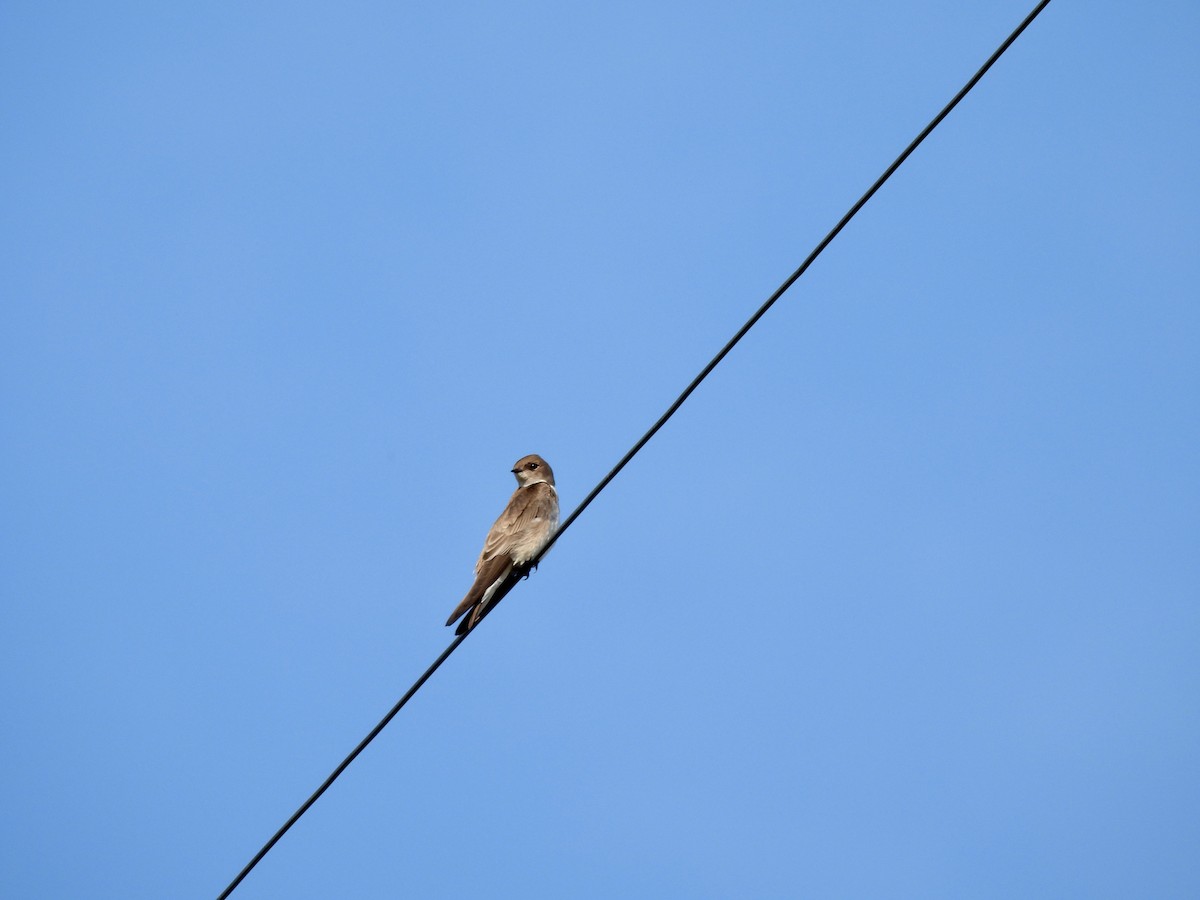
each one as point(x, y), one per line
point(905, 602)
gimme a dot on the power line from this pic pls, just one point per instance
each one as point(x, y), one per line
point(779, 292)
point(266, 848)
point(633, 451)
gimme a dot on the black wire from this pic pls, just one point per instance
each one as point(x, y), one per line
point(633, 451)
point(342, 767)
point(750, 323)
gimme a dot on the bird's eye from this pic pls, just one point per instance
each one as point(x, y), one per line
point(532, 466)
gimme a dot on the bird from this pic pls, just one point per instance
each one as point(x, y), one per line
point(521, 532)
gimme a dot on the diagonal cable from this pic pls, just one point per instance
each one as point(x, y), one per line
point(633, 451)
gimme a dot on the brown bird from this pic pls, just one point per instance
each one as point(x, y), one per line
point(523, 529)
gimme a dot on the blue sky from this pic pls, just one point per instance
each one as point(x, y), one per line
point(904, 601)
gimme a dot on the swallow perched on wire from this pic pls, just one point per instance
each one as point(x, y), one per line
point(523, 529)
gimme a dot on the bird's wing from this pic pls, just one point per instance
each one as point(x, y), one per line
point(530, 509)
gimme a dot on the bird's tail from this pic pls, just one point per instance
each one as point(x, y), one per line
point(488, 581)
point(498, 591)
point(467, 602)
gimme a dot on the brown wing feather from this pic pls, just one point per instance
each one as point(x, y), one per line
point(528, 518)
point(536, 521)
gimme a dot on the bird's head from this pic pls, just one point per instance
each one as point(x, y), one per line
point(532, 469)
